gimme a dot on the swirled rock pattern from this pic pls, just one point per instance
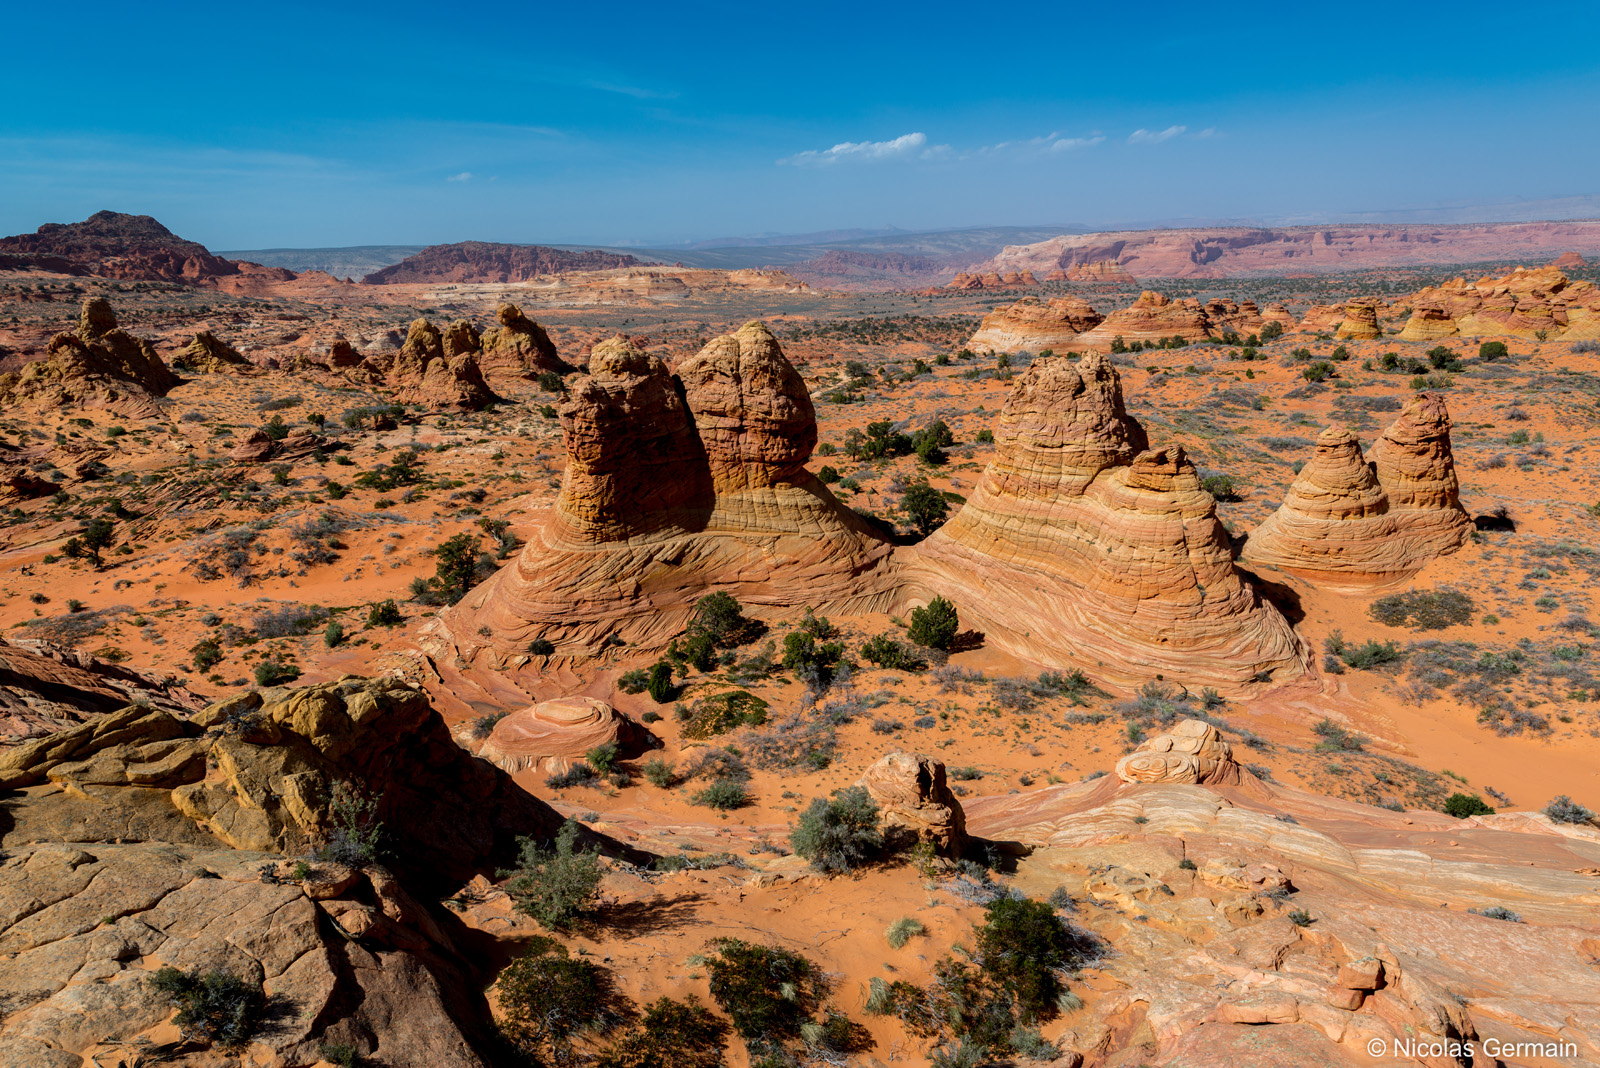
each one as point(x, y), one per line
point(1360, 321)
point(1528, 303)
point(1192, 752)
point(675, 486)
point(553, 735)
point(915, 803)
point(1348, 523)
point(1080, 545)
point(1033, 325)
point(1150, 318)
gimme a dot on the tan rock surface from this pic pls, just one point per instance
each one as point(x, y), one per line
point(1076, 522)
point(209, 354)
point(1192, 752)
point(915, 802)
point(1098, 271)
point(100, 366)
point(1152, 317)
point(1360, 322)
point(519, 346)
point(551, 736)
point(1348, 523)
point(1033, 325)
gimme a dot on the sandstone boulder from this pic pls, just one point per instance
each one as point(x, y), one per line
point(423, 372)
point(520, 346)
point(1350, 524)
point(551, 736)
point(258, 446)
point(1033, 325)
point(915, 804)
point(1152, 317)
point(101, 366)
point(1360, 321)
point(209, 354)
point(1192, 752)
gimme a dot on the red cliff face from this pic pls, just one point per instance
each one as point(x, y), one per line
point(113, 245)
point(485, 261)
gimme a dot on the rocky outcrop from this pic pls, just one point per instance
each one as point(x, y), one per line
point(915, 804)
point(425, 373)
point(100, 366)
point(1100, 271)
point(675, 486)
point(1323, 318)
point(1153, 317)
point(1192, 752)
point(1430, 320)
point(1360, 321)
point(258, 446)
point(113, 245)
point(46, 688)
point(1033, 325)
point(209, 354)
point(551, 736)
point(1528, 303)
point(1242, 317)
point(1347, 523)
point(992, 280)
point(486, 261)
point(1079, 523)
point(520, 346)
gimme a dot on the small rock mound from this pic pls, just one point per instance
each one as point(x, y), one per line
point(520, 346)
point(915, 804)
point(208, 354)
point(100, 366)
point(1192, 752)
point(1153, 317)
point(1033, 325)
point(429, 372)
point(1360, 321)
point(553, 735)
point(259, 446)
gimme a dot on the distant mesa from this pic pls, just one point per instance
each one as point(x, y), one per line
point(1103, 271)
point(99, 366)
point(993, 280)
point(1081, 544)
point(1527, 303)
point(110, 244)
point(1350, 523)
point(487, 261)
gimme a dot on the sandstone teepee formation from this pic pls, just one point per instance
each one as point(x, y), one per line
point(99, 366)
point(1351, 523)
point(676, 486)
point(1034, 325)
point(1082, 546)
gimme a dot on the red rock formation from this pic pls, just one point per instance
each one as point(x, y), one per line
point(520, 347)
point(1323, 318)
point(675, 488)
point(484, 261)
point(965, 281)
point(209, 354)
point(100, 366)
point(552, 736)
point(425, 373)
point(1057, 275)
point(915, 804)
point(258, 447)
point(1151, 318)
point(1350, 524)
point(1242, 317)
point(1524, 303)
point(1033, 325)
point(1277, 313)
point(1104, 271)
point(1568, 260)
point(113, 245)
point(1082, 547)
point(1360, 321)
point(1192, 752)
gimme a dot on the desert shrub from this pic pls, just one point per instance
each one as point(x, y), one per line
point(333, 633)
point(543, 647)
point(816, 662)
point(659, 683)
point(673, 1034)
point(721, 618)
point(1022, 943)
point(274, 673)
point(1073, 685)
point(1423, 609)
point(828, 475)
point(1442, 359)
point(903, 930)
point(723, 712)
point(1336, 738)
point(838, 833)
point(1498, 912)
point(548, 998)
point(1318, 371)
point(925, 507)
point(658, 772)
point(459, 565)
point(554, 885)
point(1564, 809)
point(385, 614)
point(355, 836)
point(634, 681)
point(1490, 351)
point(1220, 486)
point(207, 653)
point(793, 741)
point(890, 654)
point(724, 795)
point(287, 620)
point(483, 726)
point(767, 992)
point(1463, 805)
point(1371, 654)
point(577, 774)
point(214, 1006)
point(934, 625)
point(1301, 918)
point(602, 758)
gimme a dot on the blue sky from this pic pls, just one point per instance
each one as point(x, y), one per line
point(298, 125)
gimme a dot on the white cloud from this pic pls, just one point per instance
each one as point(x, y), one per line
point(906, 146)
point(464, 176)
point(635, 91)
point(1155, 137)
point(1072, 144)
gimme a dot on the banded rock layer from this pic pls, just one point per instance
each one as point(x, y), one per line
point(1524, 303)
point(1080, 545)
point(1033, 325)
point(1348, 522)
point(675, 486)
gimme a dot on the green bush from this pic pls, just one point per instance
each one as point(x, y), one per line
point(354, 837)
point(934, 625)
point(723, 712)
point(207, 653)
point(273, 673)
point(767, 992)
point(602, 758)
point(1021, 944)
point(925, 507)
point(659, 683)
point(557, 885)
point(1423, 610)
point(903, 930)
point(547, 999)
point(1564, 809)
point(1318, 371)
point(839, 833)
point(541, 647)
point(333, 633)
point(673, 1034)
point(1463, 805)
point(1492, 350)
point(1220, 486)
point(214, 1007)
point(828, 475)
point(385, 614)
point(724, 795)
point(891, 655)
point(660, 773)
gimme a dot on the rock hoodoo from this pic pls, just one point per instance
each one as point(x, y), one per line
point(1152, 317)
point(551, 736)
point(915, 803)
point(1192, 752)
point(99, 366)
point(1360, 321)
point(1105, 271)
point(1354, 523)
point(208, 353)
point(675, 486)
point(519, 346)
point(1034, 325)
point(427, 371)
point(1081, 545)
